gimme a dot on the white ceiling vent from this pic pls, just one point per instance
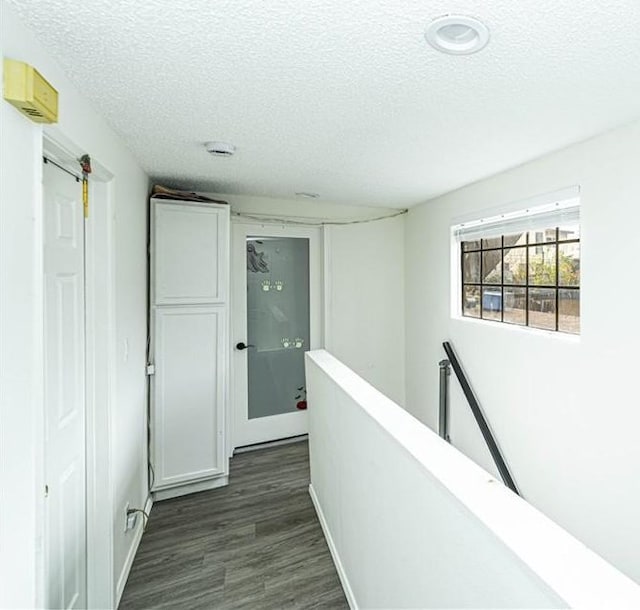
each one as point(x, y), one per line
point(457, 35)
point(220, 149)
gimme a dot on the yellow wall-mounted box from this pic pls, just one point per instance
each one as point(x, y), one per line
point(29, 92)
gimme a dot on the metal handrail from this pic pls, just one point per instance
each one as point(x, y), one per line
point(475, 409)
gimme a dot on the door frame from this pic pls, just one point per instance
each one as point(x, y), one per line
point(100, 359)
point(239, 391)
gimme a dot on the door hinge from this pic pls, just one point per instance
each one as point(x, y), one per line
point(46, 491)
point(151, 369)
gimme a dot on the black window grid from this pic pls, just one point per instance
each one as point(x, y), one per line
point(527, 285)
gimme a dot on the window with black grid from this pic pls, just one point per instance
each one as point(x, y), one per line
point(529, 278)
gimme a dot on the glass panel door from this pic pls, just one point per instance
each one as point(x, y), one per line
point(277, 324)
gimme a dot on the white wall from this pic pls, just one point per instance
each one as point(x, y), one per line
point(365, 301)
point(564, 410)
point(412, 523)
point(364, 284)
point(21, 406)
point(20, 358)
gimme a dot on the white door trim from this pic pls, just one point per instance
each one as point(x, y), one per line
point(99, 368)
point(239, 310)
point(100, 389)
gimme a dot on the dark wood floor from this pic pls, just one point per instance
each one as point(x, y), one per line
point(254, 544)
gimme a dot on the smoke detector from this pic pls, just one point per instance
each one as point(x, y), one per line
point(220, 149)
point(457, 35)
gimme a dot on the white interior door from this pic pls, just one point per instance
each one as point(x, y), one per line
point(276, 318)
point(64, 390)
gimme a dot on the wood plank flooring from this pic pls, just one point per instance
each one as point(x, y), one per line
point(256, 544)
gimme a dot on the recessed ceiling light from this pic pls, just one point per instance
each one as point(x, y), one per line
point(457, 35)
point(220, 149)
point(306, 195)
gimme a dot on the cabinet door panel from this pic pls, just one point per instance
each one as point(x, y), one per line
point(188, 394)
point(189, 242)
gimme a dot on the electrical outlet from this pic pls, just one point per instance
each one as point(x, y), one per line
point(130, 518)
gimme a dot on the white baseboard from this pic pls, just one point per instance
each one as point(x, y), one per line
point(126, 568)
point(344, 581)
point(268, 444)
point(190, 488)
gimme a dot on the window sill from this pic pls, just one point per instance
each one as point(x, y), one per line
point(521, 330)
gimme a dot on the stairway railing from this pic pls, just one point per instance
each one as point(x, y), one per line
point(453, 362)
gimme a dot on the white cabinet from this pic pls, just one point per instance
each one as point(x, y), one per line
point(189, 345)
point(190, 256)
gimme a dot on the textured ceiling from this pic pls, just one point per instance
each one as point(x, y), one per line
point(344, 97)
